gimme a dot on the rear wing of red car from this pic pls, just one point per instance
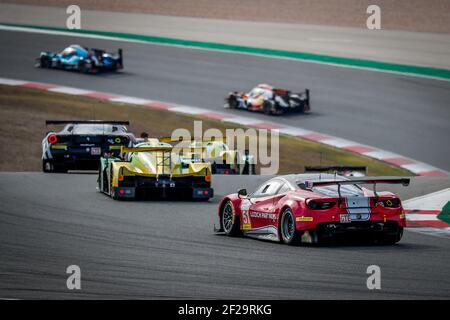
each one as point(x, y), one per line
point(337, 169)
point(403, 181)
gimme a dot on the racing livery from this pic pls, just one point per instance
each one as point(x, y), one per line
point(313, 208)
point(82, 59)
point(154, 169)
point(223, 159)
point(270, 100)
point(80, 144)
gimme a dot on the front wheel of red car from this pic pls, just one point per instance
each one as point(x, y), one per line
point(289, 234)
point(230, 221)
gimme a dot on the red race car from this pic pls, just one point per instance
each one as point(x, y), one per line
point(314, 208)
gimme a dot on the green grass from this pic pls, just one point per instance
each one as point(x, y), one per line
point(24, 112)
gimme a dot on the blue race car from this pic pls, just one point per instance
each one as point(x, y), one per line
point(78, 58)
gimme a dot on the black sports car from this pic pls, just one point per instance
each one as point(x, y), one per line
point(80, 144)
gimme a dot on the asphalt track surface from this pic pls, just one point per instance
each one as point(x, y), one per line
point(162, 249)
point(159, 249)
point(406, 115)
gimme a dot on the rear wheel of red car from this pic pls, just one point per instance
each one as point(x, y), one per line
point(289, 234)
point(230, 222)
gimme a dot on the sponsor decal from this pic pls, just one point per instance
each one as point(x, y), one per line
point(304, 219)
point(246, 224)
point(263, 215)
point(59, 147)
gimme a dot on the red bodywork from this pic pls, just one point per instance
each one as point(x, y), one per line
point(260, 216)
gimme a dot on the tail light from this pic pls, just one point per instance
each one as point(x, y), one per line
point(52, 139)
point(208, 178)
point(389, 203)
point(320, 205)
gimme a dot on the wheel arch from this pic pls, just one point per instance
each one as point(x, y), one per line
point(283, 208)
point(234, 203)
point(220, 209)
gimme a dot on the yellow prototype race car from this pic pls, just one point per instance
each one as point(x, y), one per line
point(223, 159)
point(154, 169)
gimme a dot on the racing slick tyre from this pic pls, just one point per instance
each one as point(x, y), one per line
point(289, 234)
point(113, 194)
point(82, 67)
point(99, 181)
point(267, 107)
point(302, 105)
point(60, 168)
point(232, 102)
point(45, 63)
point(229, 221)
point(392, 238)
point(47, 166)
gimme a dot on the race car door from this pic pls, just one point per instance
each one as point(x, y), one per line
point(260, 214)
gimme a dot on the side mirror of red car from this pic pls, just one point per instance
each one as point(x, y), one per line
point(242, 193)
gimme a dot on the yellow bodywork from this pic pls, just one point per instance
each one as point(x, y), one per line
point(154, 158)
point(214, 152)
